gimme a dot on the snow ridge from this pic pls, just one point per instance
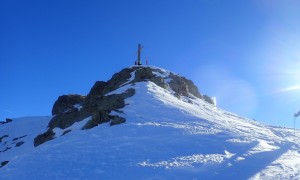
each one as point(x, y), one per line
point(164, 137)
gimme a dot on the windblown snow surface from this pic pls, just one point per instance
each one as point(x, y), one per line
point(163, 138)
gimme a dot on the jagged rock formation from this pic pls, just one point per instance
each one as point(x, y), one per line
point(3, 163)
point(208, 99)
point(183, 86)
point(99, 103)
point(47, 136)
point(7, 120)
point(65, 103)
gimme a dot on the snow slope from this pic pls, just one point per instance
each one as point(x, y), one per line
point(163, 138)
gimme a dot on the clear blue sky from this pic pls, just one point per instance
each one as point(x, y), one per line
point(246, 53)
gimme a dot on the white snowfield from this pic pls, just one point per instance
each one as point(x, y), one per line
point(163, 138)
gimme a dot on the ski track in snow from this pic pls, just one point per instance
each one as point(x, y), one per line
point(163, 138)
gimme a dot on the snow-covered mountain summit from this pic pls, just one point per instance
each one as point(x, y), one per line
point(145, 123)
point(105, 98)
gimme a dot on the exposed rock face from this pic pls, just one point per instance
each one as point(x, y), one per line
point(143, 74)
point(146, 73)
point(65, 120)
point(182, 86)
point(98, 104)
point(40, 139)
point(98, 118)
point(3, 163)
point(66, 132)
point(208, 99)
point(98, 89)
point(117, 120)
point(105, 105)
point(7, 120)
point(65, 103)
point(118, 79)
point(99, 107)
point(18, 144)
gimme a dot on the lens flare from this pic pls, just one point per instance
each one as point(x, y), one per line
point(291, 88)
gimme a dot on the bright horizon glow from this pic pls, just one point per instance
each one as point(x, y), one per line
point(288, 89)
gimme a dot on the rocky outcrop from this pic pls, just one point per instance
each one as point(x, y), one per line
point(118, 79)
point(2, 137)
point(117, 120)
point(97, 118)
point(40, 139)
point(143, 74)
point(208, 99)
point(105, 105)
point(7, 120)
point(66, 132)
point(67, 119)
point(99, 89)
point(146, 73)
point(98, 104)
point(18, 138)
point(18, 144)
point(3, 163)
point(183, 87)
point(65, 103)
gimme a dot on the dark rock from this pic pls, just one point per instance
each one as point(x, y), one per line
point(128, 93)
point(99, 117)
point(182, 86)
point(66, 132)
point(2, 137)
point(117, 120)
point(8, 120)
point(105, 105)
point(98, 105)
point(143, 74)
point(178, 85)
point(118, 79)
point(3, 163)
point(98, 90)
point(118, 111)
point(208, 99)
point(111, 102)
point(15, 139)
point(7, 148)
point(67, 119)
point(146, 74)
point(192, 88)
point(159, 81)
point(47, 136)
point(114, 101)
point(20, 143)
point(66, 102)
